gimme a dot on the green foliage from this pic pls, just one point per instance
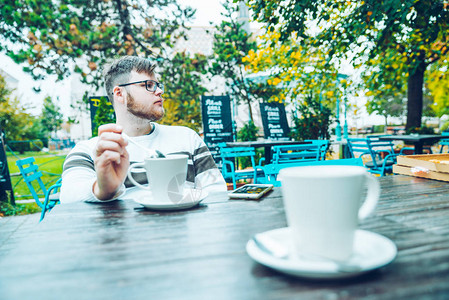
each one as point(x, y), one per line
point(437, 84)
point(15, 122)
point(248, 132)
point(231, 44)
point(51, 117)
point(49, 163)
point(421, 130)
point(386, 105)
point(23, 146)
point(51, 36)
point(183, 89)
point(7, 209)
point(103, 115)
point(378, 128)
point(311, 121)
point(445, 126)
point(392, 41)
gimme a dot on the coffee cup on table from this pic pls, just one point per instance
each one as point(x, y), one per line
point(323, 205)
point(166, 177)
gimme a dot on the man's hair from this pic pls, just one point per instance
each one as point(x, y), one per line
point(120, 70)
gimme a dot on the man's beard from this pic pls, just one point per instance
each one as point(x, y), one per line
point(142, 112)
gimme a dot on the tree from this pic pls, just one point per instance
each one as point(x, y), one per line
point(302, 76)
point(103, 115)
point(231, 44)
point(54, 37)
point(408, 36)
point(51, 117)
point(297, 71)
point(387, 105)
point(59, 37)
point(183, 88)
point(15, 122)
point(311, 121)
point(438, 85)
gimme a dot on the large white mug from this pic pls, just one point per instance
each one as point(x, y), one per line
point(323, 205)
point(166, 177)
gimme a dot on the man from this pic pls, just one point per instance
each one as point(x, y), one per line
point(95, 170)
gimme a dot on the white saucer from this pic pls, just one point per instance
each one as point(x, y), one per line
point(371, 251)
point(191, 197)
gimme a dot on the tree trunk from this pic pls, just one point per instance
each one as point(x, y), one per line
point(415, 95)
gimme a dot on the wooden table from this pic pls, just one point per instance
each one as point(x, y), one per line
point(266, 144)
point(417, 140)
point(121, 251)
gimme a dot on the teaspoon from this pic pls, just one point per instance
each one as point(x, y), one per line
point(150, 152)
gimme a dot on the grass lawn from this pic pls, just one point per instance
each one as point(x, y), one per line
point(50, 163)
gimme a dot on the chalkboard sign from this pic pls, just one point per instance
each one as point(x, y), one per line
point(6, 191)
point(217, 121)
point(274, 121)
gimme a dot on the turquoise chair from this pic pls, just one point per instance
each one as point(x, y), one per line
point(444, 142)
point(381, 154)
point(324, 147)
point(375, 139)
point(230, 168)
point(271, 171)
point(30, 173)
point(296, 153)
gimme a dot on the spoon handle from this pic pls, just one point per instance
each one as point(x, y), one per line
point(150, 152)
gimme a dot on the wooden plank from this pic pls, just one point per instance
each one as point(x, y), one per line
point(404, 170)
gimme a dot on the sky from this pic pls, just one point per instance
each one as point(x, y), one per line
point(206, 11)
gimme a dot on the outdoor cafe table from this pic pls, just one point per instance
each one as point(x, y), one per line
point(417, 140)
point(266, 144)
point(119, 250)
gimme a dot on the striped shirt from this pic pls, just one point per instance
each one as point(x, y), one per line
point(79, 170)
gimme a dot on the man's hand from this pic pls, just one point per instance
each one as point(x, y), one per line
point(111, 162)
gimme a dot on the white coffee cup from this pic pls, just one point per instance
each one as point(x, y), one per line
point(166, 177)
point(323, 207)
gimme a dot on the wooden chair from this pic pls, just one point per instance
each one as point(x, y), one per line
point(381, 156)
point(230, 157)
point(31, 174)
point(444, 142)
point(271, 171)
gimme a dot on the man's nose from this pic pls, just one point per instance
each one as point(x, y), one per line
point(158, 91)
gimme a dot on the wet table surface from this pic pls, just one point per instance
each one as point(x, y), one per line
point(119, 250)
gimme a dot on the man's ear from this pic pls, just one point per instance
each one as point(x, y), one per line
point(118, 94)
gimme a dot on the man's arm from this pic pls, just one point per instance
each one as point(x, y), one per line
point(111, 162)
point(97, 178)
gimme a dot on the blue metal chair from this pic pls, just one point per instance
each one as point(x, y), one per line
point(381, 154)
point(230, 157)
point(375, 138)
point(296, 153)
point(31, 173)
point(444, 142)
point(271, 171)
point(324, 147)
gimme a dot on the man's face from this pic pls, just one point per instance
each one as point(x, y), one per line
point(142, 103)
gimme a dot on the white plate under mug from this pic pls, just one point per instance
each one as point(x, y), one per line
point(191, 197)
point(371, 251)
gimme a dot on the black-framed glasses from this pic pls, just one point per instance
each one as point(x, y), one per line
point(150, 85)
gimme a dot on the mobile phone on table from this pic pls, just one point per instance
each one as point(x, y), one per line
point(250, 191)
